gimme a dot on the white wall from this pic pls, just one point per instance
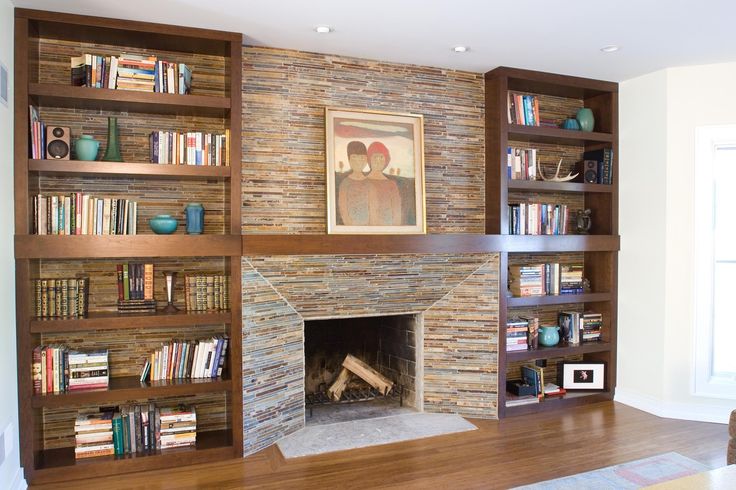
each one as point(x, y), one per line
point(11, 475)
point(657, 293)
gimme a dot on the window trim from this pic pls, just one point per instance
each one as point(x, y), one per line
point(709, 139)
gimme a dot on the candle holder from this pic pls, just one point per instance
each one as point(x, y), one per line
point(170, 279)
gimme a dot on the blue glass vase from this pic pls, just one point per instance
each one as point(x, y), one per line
point(195, 218)
point(549, 335)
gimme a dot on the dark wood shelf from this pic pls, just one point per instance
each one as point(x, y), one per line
point(114, 246)
point(127, 169)
point(570, 399)
point(561, 299)
point(46, 94)
point(544, 186)
point(558, 351)
point(59, 464)
point(116, 321)
point(544, 134)
point(450, 243)
point(130, 388)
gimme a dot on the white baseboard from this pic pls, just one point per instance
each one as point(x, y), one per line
point(18, 483)
point(672, 410)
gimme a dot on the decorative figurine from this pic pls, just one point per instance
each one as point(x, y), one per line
point(557, 177)
point(584, 221)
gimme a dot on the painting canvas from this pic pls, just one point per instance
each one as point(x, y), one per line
point(375, 172)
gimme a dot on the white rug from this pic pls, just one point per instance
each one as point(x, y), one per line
point(327, 438)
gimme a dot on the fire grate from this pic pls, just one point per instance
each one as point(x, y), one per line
point(352, 396)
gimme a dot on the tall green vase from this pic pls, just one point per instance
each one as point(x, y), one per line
point(112, 153)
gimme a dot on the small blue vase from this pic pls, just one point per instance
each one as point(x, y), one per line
point(571, 124)
point(163, 224)
point(195, 218)
point(86, 148)
point(549, 336)
point(586, 119)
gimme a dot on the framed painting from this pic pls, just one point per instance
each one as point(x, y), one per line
point(375, 172)
point(583, 375)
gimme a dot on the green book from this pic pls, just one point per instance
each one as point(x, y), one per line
point(126, 283)
point(117, 434)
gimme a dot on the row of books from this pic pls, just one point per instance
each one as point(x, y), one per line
point(538, 219)
point(134, 429)
point(521, 163)
point(82, 214)
point(190, 148)
point(187, 360)
point(61, 297)
point(207, 292)
point(135, 281)
point(576, 327)
point(37, 140)
point(522, 333)
point(604, 159)
point(545, 279)
point(130, 72)
point(56, 369)
point(523, 109)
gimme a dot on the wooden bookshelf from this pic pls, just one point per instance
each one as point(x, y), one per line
point(559, 97)
point(41, 39)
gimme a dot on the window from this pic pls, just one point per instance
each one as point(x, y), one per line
point(715, 248)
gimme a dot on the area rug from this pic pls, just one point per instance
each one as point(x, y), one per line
point(634, 474)
point(319, 439)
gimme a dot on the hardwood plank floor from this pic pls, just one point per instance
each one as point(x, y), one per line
point(501, 454)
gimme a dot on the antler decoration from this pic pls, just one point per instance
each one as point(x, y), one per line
point(557, 177)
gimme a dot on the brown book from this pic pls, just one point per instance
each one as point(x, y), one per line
point(148, 281)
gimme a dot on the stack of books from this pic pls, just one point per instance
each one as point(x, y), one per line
point(576, 327)
point(137, 429)
point(93, 435)
point(207, 292)
point(523, 109)
point(61, 298)
point(91, 70)
point(178, 427)
point(136, 72)
point(37, 135)
point(538, 219)
point(590, 326)
point(187, 360)
point(604, 158)
point(55, 369)
point(82, 214)
point(517, 334)
point(190, 148)
point(173, 78)
point(521, 163)
point(545, 279)
point(135, 288)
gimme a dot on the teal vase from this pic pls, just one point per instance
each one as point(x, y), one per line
point(112, 152)
point(586, 119)
point(195, 218)
point(86, 148)
point(549, 336)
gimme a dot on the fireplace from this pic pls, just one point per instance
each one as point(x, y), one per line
point(387, 344)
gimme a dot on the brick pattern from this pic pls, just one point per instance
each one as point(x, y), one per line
point(284, 96)
point(461, 347)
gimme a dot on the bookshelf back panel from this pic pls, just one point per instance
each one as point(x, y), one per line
point(557, 109)
point(103, 290)
point(159, 196)
point(129, 349)
point(212, 414)
point(547, 314)
point(561, 258)
point(134, 128)
point(209, 74)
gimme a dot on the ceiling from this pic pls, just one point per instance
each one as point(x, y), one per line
point(563, 36)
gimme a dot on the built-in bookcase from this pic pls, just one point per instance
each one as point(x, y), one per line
point(44, 44)
point(559, 97)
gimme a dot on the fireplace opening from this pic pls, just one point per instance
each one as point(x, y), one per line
point(364, 367)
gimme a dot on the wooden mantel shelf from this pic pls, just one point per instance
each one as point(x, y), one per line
point(401, 244)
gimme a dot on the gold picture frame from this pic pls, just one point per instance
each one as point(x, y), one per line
point(375, 172)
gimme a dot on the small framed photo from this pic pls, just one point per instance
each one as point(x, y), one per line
point(583, 375)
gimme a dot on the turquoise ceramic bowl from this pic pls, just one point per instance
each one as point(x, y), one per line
point(163, 224)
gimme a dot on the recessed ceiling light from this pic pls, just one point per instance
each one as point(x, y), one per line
point(611, 48)
point(323, 29)
point(461, 49)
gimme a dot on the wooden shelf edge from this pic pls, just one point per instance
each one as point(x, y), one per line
point(116, 321)
point(561, 299)
point(557, 403)
point(124, 169)
point(558, 351)
point(124, 388)
point(563, 136)
point(115, 246)
point(59, 464)
point(545, 186)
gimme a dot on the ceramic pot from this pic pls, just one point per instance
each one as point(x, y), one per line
point(586, 119)
point(112, 152)
point(195, 218)
point(86, 148)
point(571, 124)
point(163, 224)
point(549, 335)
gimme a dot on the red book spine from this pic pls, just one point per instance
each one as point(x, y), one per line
point(49, 370)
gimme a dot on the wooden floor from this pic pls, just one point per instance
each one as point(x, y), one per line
point(501, 454)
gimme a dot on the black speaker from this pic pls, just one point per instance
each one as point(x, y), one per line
point(57, 143)
point(590, 171)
